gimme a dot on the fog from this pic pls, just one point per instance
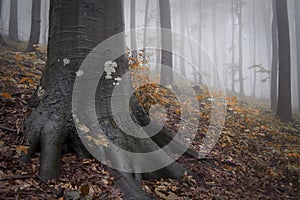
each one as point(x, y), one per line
point(212, 20)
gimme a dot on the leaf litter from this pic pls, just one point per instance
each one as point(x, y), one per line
point(256, 157)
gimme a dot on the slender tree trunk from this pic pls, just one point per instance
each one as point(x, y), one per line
point(200, 43)
point(297, 23)
point(133, 26)
point(146, 25)
point(274, 75)
point(158, 39)
point(166, 43)
point(240, 15)
point(2, 42)
point(254, 50)
point(233, 47)
point(35, 25)
point(182, 44)
point(284, 110)
point(13, 20)
point(214, 30)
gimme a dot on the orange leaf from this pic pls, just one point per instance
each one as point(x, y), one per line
point(6, 95)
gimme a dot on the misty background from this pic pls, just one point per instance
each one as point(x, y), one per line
point(207, 22)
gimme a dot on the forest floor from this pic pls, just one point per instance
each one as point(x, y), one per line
point(256, 157)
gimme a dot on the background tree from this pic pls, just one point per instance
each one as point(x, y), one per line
point(240, 20)
point(35, 25)
point(297, 23)
point(133, 26)
point(166, 41)
point(13, 20)
point(284, 110)
point(2, 42)
point(274, 74)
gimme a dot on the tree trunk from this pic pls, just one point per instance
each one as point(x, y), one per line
point(200, 43)
point(158, 39)
point(13, 20)
point(233, 48)
point(274, 78)
point(240, 15)
point(133, 26)
point(284, 110)
point(214, 31)
point(2, 42)
point(146, 25)
point(76, 27)
point(254, 50)
point(35, 25)
point(297, 23)
point(166, 43)
point(182, 44)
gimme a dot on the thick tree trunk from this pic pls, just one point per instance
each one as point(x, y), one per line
point(13, 20)
point(35, 25)
point(284, 110)
point(274, 79)
point(297, 23)
point(166, 42)
point(76, 27)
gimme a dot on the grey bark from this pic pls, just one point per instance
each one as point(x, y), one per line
point(35, 25)
point(2, 42)
point(133, 26)
point(284, 110)
point(182, 44)
point(13, 20)
point(297, 23)
point(200, 41)
point(274, 73)
point(146, 25)
point(240, 71)
point(254, 49)
point(233, 46)
point(166, 42)
point(158, 39)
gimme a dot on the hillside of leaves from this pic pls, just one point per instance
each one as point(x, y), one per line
point(256, 157)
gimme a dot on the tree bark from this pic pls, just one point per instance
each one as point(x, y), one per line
point(2, 42)
point(254, 49)
point(166, 43)
point(233, 47)
point(35, 25)
point(284, 110)
point(146, 25)
point(13, 20)
point(240, 15)
point(158, 39)
point(182, 44)
point(274, 78)
point(297, 23)
point(133, 26)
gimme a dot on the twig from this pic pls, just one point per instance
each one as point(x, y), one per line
point(14, 177)
point(7, 129)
